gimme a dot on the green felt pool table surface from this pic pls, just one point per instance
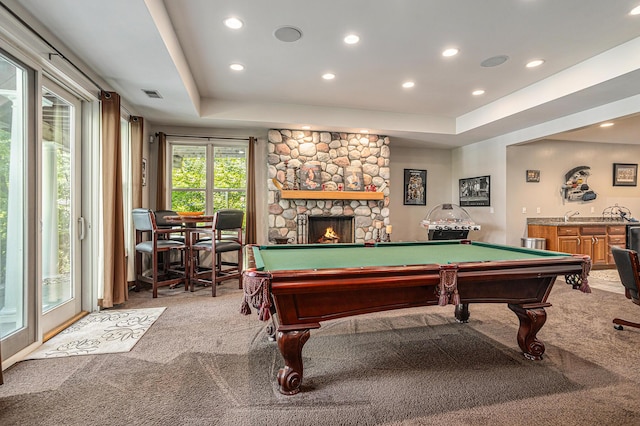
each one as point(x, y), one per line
point(334, 256)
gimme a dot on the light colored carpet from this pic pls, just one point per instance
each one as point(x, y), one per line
point(203, 363)
point(108, 331)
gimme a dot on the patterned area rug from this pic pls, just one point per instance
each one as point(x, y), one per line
point(108, 331)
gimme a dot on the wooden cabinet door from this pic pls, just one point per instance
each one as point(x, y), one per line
point(570, 245)
point(599, 254)
point(596, 247)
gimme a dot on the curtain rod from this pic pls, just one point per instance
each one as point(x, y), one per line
point(205, 137)
point(57, 52)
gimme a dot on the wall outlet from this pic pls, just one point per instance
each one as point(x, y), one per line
point(538, 210)
point(593, 209)
point(524, 210)
point(491, 210)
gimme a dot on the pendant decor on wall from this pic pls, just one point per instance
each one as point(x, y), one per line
point(575, 186)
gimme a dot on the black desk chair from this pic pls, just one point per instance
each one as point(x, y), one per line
point(152, 241)
point(226, 237)
point(629, 271)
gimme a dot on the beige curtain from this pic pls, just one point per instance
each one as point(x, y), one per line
point(136, 124)
point(161, 197)
point(115, 268)
point(251, 193)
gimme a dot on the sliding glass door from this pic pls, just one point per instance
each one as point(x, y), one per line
point(17, 206)
point(62, 223)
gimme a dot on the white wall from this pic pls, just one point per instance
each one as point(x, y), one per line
point(483, 159)
point(554, 159)
point(437, 163)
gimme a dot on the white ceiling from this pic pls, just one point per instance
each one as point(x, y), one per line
point(182, 49)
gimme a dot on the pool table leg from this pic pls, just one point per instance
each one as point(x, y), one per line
point(290, 344)
point(462, 312)
point(532, 318)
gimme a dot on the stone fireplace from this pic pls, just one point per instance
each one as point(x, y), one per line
point(332, 154)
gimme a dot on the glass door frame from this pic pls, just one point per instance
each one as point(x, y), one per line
point(53, 318)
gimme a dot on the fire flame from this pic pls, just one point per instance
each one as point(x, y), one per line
point(330, 234)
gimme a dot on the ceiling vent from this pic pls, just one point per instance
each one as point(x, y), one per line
point(152, 93)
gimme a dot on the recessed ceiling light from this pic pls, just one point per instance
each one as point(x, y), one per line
point(328, 76)
point(450, 52)
point(306, 127)
point(477, 92)
point(236, 67)
point(635, 11)
point(233, 23)
point(535, 63)
point(351, 39)
point(609, 124)
point(408, 84)
point(364, 131)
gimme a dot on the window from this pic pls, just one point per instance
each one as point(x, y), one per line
point(208, 177)
point(14, 195)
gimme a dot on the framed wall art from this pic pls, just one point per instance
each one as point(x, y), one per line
point(144, 172)
point(475, 192)
point(415, 187)
point(533, 175)
point(625, 174)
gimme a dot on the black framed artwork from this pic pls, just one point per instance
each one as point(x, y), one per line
point(533, 175)
point(475, 192)
point(415, 187)
point(625, 174)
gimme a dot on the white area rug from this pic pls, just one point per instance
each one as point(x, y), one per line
point(108, 331)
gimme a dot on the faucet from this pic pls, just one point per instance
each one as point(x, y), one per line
point(570, 214)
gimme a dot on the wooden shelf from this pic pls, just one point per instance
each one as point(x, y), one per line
point(331, 195)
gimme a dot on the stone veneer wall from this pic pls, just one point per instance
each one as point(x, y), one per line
point(334, 152)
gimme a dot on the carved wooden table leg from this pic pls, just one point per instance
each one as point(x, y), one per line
point(290, 344)
point(531, 321)
point(462, 312)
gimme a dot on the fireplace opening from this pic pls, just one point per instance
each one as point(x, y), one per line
point(330, 229)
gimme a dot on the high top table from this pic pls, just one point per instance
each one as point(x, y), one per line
point(189, 225)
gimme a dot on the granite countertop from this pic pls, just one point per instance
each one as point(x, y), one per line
point(586, 220)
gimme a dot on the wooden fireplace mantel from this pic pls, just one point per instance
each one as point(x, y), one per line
point(330, 195)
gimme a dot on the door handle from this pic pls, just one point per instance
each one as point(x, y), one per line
point(578, 240)
point(81, 228)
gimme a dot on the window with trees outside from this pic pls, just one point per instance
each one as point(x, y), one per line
point(208, 177)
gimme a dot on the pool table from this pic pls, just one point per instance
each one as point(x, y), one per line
point(299, 286)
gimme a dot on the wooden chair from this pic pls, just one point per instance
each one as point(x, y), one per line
point(226, 237)
point(153, 241)
point(629, 271)
point(178, 234)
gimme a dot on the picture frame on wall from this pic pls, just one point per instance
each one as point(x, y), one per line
point(415, 187)
point(144, 172)
point(533, 175)
point(475, 192)
point(625, 174)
